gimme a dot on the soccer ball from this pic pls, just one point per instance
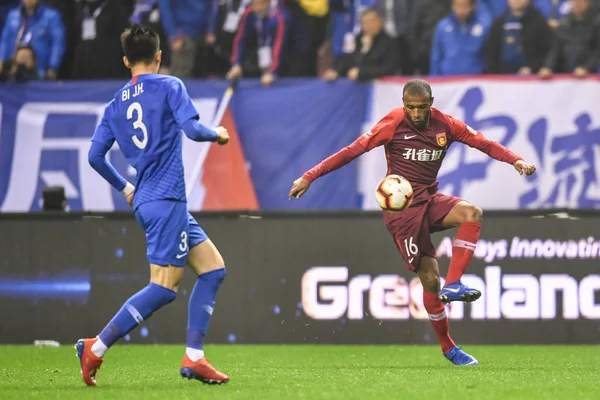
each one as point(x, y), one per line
point(394, 193)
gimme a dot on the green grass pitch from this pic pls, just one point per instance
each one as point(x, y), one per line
point(308, 372)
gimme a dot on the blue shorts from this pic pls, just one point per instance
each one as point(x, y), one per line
point(171, 231)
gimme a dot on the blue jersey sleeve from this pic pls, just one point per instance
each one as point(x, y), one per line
point(102, 141)
point(180, 103)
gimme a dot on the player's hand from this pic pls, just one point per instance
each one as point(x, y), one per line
point(210, 39)
point(353, 73)
point(222, 135)
point(545, 73)
point(580, 72)
point(234, 72)
point(524, 71)
point(330, 75)
point(267, 79)
point(299, 187)
point(524, 168)
point(51, 74)
point(177, 44)
point(129, 198)
point(553, 23)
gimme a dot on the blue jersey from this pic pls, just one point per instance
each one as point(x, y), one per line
point(146, 118)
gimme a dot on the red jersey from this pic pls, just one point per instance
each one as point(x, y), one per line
point(413, 153)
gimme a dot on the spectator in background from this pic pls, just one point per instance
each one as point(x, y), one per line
point(459, 40)
point(397, 16)
point(521, 42)
point(578, 38)
point(22, 68)
point(186, 23)
point(260, 45)
point(147, 13)
point(5, 7)
point(375, 53)
point(494, 7)
point(553, 10)
point(40, 27)
point(225, 17)
point(97, 53)
point(309, 19)
point(66, 8)
point(427, 15)
point(342, 27)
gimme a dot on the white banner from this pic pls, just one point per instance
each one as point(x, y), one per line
point(555, 125)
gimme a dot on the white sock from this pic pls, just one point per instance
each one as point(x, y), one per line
point(99, 348)
point(194, 354)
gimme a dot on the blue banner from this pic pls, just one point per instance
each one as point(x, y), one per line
point(45, 131)
point(289, 128)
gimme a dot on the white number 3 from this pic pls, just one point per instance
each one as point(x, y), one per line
point(138, 124)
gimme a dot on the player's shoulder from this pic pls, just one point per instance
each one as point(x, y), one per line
point(398, 113)
point(442, 117)
point(445, 22)
point(49, 12)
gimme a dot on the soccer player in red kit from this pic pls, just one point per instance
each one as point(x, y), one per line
point(416, 138)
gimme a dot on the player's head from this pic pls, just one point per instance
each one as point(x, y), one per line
point(580, 7)
point(260, 7)
point(30, 4)
point(517, 6)
point(371, 22)
point(141, 47)
point(418, 99)
point(463, 8)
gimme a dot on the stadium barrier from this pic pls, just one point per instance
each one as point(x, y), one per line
point(320, 277)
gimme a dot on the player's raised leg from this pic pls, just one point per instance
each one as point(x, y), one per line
point(468, 219)
point(429, 274)
point(206, 261)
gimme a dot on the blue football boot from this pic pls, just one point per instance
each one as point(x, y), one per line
point(459, 357)
point(456, 291)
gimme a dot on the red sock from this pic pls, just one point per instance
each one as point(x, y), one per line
point(462, 250)
point(438, 319)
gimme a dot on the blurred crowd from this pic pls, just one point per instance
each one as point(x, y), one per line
point(267, 39)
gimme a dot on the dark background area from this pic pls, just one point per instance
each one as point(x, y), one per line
point(63, 277)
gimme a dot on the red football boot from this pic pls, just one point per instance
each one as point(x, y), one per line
point(90, 363)
point(202, 371)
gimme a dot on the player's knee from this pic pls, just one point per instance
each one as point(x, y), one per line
point(473, 214)
point(431, 282)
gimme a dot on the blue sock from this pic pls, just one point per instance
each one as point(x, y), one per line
point(139, 307)
point(200, 309)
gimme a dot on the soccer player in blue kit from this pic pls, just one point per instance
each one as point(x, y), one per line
point(146, 118)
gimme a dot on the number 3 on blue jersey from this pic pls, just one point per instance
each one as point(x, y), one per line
point(138, 124)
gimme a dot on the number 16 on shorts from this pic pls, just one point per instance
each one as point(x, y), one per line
point(410, 250)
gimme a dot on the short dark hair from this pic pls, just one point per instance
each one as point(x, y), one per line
point(140, 44)
point(417, 87)
point(369, 10)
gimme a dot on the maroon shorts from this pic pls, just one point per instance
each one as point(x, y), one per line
point(412, 228)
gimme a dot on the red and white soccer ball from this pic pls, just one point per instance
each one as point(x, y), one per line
point(394, 193)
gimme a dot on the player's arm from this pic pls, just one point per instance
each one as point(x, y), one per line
point(280, 33)
point(437, 51)
point(463, 133)
point(166, 16)
point(186, 116)
point(102, 141)
point(213, 19)
point(57, 51)
point(381, 134)
point(239, 43)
